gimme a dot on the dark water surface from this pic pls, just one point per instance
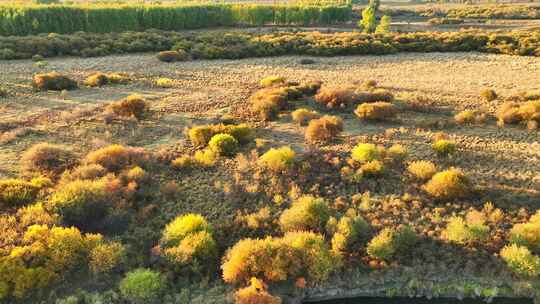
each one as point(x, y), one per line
point(371, 300)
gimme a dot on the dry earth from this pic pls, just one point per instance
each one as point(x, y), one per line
point(504, 161)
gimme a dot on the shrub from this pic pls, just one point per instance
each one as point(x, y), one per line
point(184, 162)
point(365, 152)
point(422, 169)
point(305, 61)
point(382, 245)
point(96, 80)
point(223, 144)
point(513, 113)
point(520, 260)
point(80, 202)
point(397, 153)
point(255, 293)
point(376, 111)
point(333, 98)
point(201, 135)
point(46, 159)
point(142, 286)
point(348, 230)
point(303, 116)
point(183, 226)
point(267, 103)
point(324, 129)
point(164, 83)
point(53, 81)
point(377, 95)
point(131, 106)
point(16, 192)
point(372, 168)
point(310, 88)
point(465, 231)
point(384, 26)
point(488, 95)
point(206, 157)
point(105, 257)
point(277, 160)
point(527, 234)
point(198, 247)
point(469, 117)
point(3, 93)
point(115, 158)
point(172, 56)
point(296, 254)
point(369, 84)
point(306, 213)
point(448, 185)
point(443, 147)
point(272, 81)
point(117, 78)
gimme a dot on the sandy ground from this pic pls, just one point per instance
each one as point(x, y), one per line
point(505, 161)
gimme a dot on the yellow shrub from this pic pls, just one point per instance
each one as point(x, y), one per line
point(303, 116)
point(521, 261)
point(277, 160)
point(255, 293)
point(117, 157)
point(376, 111)
point(422, 169)
point(306, 213)
point(365, 152)
point(527, 234)
point(444, 147)
point(17, 192)
point(271, 81)
point(164, 83)
point(53, 81)
point(448, 185)
point(104, 257)
point(131, 106)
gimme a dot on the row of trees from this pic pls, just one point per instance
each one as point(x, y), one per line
point(31, 19)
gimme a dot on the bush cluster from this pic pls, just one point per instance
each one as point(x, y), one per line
point(296, 254)
point(364, 152)
point(53, 81)
point(470, 116)
point(200, 136)
point(348, 231)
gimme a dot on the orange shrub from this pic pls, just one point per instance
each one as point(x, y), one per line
point(324, 129)
point(46, 159)
point(117, 157)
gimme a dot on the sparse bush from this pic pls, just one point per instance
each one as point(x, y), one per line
point(422, 169)
point(142, 286)
point(520, 260)
point(448, 185)
point(96, 80)
point(296, 254)
point(173, 56)
point(377, 95)
point(444, 147)
point(527, 234)
point(188, 238)
point(105, 257)
point(46, 159)
point(277, 160)
point(303, 116)
point(334, 98)
point(324, 129)
point(376, 111)
point(373, 168)
point(306, 213)
point(131, 106)
point(53, 81)
point(272, 81)
point(488, 95)
point(223, 144)
point(365, 152)
point(397, 153)
point(115, 158)
point(17, 192)
point(255, 293)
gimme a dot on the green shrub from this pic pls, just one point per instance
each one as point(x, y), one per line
point(131, 106)
point(348, 231)
point(17, 192)
point(46, 159)
point(520, 260)
point(376, 111)
point(365, 152)
point(296, 254)
point(382, 245)
point(527, 234)
point(324, 129)
point(422, 169)
point(303, 116)
point(272, 81)
point(142, 286)
point(443, 147)
point(448, 185)
point(115, 158)
point(188, 239)
point(80, 202)
point(306, 213)
point(223, 144)
point(53, 81)
point(277, 160)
